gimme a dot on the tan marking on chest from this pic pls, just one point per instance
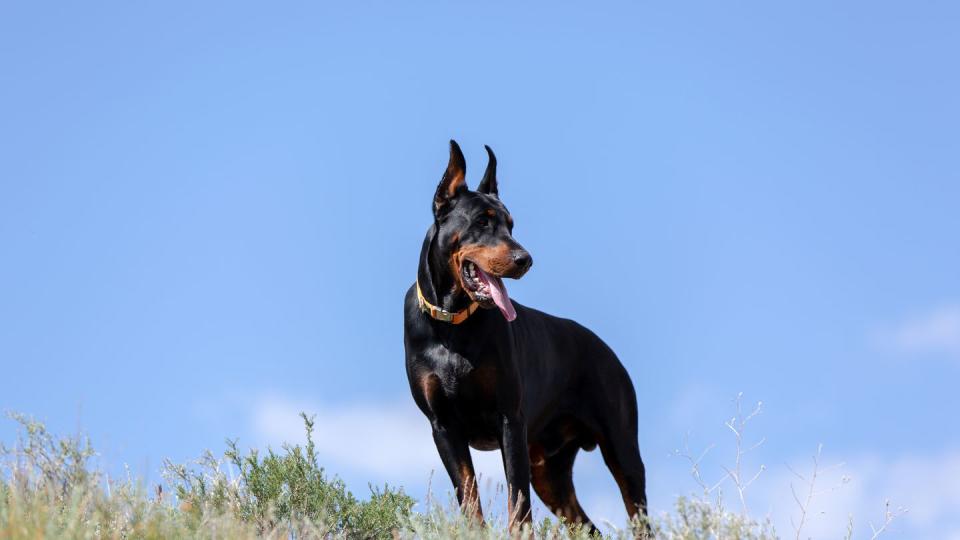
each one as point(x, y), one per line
point(431, 387)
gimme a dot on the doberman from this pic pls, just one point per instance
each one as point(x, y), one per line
point(538, 387)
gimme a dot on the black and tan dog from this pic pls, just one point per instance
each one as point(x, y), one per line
point(490, 373)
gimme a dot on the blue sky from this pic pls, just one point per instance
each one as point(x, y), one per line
point(209, 215)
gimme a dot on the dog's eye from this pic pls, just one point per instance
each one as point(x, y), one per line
point(482, 221)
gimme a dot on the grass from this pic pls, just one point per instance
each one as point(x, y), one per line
point(49, 488)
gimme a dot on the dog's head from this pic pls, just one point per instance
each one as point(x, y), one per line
point(475, 234)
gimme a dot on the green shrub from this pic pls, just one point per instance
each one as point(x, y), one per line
point(698, 519)
point(286, 489)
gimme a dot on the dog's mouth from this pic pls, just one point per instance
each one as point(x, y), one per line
point(486, 290)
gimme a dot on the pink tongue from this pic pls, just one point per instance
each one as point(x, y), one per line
point(499, 294)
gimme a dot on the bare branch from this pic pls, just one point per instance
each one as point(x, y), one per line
point(888, 517)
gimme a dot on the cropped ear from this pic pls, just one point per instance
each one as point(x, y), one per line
point(454, 179)
point(489, 183)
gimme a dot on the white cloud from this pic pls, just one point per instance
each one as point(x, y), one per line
point(389, 441)
point(384, 439)
point(936, 332)
point(926, 486)
point(930, 487)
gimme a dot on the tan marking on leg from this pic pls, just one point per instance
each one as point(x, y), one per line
point(471, 493)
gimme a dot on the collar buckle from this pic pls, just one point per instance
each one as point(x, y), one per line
point(441, 314)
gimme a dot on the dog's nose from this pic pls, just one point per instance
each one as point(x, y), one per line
point(522, 259)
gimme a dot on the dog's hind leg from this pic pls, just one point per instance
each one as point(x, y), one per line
point(552, 479)
point(621, 453)
point(616, 420)
point(625, 464)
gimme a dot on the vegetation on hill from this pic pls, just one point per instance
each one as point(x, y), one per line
point(49, 488)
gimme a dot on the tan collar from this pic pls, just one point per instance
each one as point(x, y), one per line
point(441, 314)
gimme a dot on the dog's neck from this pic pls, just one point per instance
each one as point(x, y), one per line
point(438, 285)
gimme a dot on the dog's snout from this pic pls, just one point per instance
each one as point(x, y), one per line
point(522, 259)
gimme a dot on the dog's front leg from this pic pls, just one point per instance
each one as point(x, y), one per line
point(454, 452)
point(516, 466)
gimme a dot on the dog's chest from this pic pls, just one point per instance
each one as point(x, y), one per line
point(480, 383)
point(472, 393)
point(468, 382)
